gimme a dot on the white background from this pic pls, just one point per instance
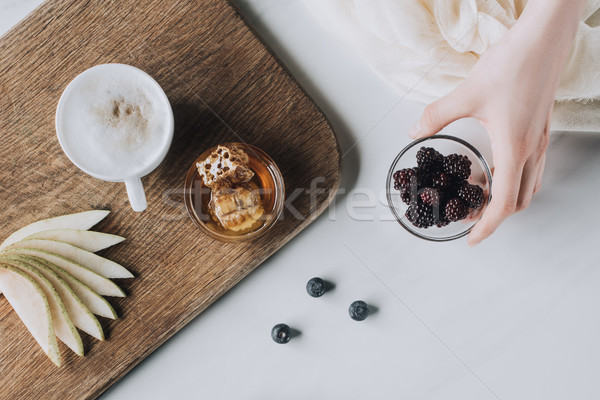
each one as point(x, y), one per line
point(514, 318)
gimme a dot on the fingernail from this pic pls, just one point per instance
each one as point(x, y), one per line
point(414, 131)
point(473, 243)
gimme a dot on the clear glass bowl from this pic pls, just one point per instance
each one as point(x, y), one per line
point(480, 175)
point(267, 177)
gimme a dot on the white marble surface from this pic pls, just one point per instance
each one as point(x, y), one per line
point(514, 318)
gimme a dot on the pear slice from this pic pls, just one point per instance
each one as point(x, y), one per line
point(31, 305)
point(83, 220)
point(95, 263)
point(63, 325)
point(89, 297)
point(81, 315)
point(98, 283)
point(87, 240)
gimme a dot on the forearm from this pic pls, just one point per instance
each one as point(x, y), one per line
point(543, 35)
point(553, 22)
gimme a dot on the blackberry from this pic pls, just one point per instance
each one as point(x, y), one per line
point(430, 196)
point(316, 287)
point(404, 178)
point(281, 333)
point(450, 191)
point(440, 180)
point(406, 196)
point(420, 215)
point(458, 166)
point(456, 209)
point(428, 159)
point(440, 223)
point(424, 177)
point(439, 215)
point(359, 310)
point(472, 194)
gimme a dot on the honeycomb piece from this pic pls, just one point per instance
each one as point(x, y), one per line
point(226, 166)
point(239, 208)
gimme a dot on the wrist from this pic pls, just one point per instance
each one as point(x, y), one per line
point(548, 27)
point(553, 18)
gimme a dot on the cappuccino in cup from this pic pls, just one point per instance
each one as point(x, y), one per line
point(115, 123)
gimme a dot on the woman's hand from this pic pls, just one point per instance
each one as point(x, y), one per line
point(511, 91)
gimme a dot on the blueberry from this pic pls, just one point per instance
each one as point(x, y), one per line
point(316, 287)
point(281, 333)
point(359, 310)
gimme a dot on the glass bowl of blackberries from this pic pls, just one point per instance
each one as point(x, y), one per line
point(438, 187)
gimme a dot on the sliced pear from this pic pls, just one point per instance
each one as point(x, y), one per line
point(80, 314)
point(90, 298)
point(31, 305)
point(98, 283)
point(100, 265)
point(83, 220)
point(87, 240)
point(63, 325)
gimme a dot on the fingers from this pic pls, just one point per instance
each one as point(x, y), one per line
point(441, 113)
point(542, 163)
point(528, 181)
point(506, 187)
point(531, 181)
point(512, 192)
point(540, 173)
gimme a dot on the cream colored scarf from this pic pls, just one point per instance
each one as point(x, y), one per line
point(425, 48)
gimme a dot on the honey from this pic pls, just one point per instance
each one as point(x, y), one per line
point(267, 178)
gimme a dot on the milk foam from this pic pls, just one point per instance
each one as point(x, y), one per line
point(115, 126)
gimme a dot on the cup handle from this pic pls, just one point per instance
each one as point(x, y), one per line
point(135, 192)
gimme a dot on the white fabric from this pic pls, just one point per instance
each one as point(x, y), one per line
point(425, 48)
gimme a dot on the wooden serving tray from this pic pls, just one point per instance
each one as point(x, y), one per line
point(224, 85)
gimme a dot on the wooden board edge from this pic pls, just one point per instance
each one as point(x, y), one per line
point(23, 21)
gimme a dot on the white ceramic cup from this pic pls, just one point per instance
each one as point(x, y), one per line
point(73, 96)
